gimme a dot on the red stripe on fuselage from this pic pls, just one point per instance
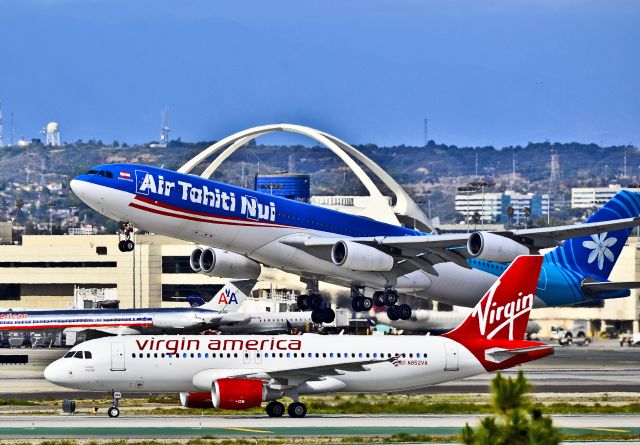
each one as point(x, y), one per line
point(70, 325)
point(246, 223)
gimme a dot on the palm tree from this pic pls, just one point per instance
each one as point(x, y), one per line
point(514, 422)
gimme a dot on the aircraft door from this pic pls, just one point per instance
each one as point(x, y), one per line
point(451, 356)
point(117, 357)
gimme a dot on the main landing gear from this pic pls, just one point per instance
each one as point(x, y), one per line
point(320, 311)
point(126, 244)
point(295, 409)
point(388, 297)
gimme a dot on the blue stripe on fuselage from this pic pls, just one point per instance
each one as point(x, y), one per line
point(287, 212)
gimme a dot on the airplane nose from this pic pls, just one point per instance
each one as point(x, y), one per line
point(76, 187)
point(55, 373)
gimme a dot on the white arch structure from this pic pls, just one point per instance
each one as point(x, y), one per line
point(404, 211)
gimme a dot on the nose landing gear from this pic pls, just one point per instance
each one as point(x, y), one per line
point(113, 410)
point(126, 244)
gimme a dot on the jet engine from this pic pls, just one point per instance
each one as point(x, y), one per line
point(241, 393)
point(222, 263)
point(201, 400)
point(356, 256)
point(491, 247)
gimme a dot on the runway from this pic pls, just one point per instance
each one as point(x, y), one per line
point(134, 426)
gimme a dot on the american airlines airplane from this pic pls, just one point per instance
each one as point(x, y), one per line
point(241, 229)
point(238, 372)
point(220, 313)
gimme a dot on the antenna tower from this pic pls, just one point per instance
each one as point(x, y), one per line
point(164, 129)
point(426, 132)
point(554, 176)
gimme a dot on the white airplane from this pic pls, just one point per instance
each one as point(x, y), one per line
point(246, 229)
point(238, 372)
point(433, 322)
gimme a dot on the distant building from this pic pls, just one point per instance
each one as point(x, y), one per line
point(494, 207)
point(588, 197)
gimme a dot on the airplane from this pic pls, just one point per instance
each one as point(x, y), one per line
point(239, 372)
point(432, 322)
point(240, 229)
point(221, 311)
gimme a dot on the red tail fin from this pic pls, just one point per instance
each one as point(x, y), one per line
point(504, 310)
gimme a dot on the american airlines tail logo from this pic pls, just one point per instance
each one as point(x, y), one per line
point(227, 297)
point(496, 318)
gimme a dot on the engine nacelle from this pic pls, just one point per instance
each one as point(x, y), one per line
point(201, 400)
point(491, 247)
point(356, 256)
point(194, 259)
point(225, 264)
point(241, 393)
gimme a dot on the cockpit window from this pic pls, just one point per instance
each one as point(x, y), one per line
point(101, 172)
point(79, 354)
point(69, 354)
point(92, 172)
point(109, 174)
point(87, 354)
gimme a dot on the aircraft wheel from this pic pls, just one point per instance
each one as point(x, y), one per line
point(129, 245)
point(316, 316)
point(404, 312)
point(366, 304)
point(390, 297)
point(68, 406)
point(121, 246)
point(303, 302)
point(297, 409)
point(275, 409)
point(356, 303)
point(113, 411)
point(392, 313)
point(328, 315)
point(378, 298)
point(314, 301)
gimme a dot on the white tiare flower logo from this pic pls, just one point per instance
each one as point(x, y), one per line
point(600, 248)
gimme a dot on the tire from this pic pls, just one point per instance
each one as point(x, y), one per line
point(404, 312)
point(303, 302)
point(275, 409)
point(316, 316)
point(297, 410)
point(328, 315)
point(356, 304)
point(68, 406)
point(378, 298)
point(366, 304)
point(392, 313)
point(113, 411)
point(390, 297)
point(129, 245)
point(314, 301)
point(121, 246)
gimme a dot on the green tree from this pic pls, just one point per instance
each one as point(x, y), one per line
point(515, 421)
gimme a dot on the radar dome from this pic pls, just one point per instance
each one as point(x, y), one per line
point(52, 127)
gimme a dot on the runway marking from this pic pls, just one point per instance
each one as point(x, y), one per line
point(248, 430)
point(611, 430)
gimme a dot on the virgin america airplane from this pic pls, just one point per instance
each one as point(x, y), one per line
point(241, 229)
point(238, 372)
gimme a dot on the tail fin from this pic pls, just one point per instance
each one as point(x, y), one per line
point(231, 296)
point(595, 255)
point(503, 312)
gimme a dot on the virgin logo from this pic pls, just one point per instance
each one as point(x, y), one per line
point(496, 318)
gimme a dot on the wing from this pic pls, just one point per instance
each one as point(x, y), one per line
point(424, 251)
point(285, 377)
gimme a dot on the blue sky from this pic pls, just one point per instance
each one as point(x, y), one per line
point(497, 72)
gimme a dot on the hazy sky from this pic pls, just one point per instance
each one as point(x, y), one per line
point(483, 72)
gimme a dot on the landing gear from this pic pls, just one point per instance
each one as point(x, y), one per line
point(113, 410)
point(320, 310)
point(275, 409)
point(126, 229)
point(378, 298)
point(297, 409)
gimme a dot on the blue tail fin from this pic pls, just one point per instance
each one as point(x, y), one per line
point(595, 255)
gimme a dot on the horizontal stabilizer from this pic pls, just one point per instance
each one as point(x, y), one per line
point(594, 287)
point(498, 355)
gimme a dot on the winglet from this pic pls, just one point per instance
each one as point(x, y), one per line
point(503, 312)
